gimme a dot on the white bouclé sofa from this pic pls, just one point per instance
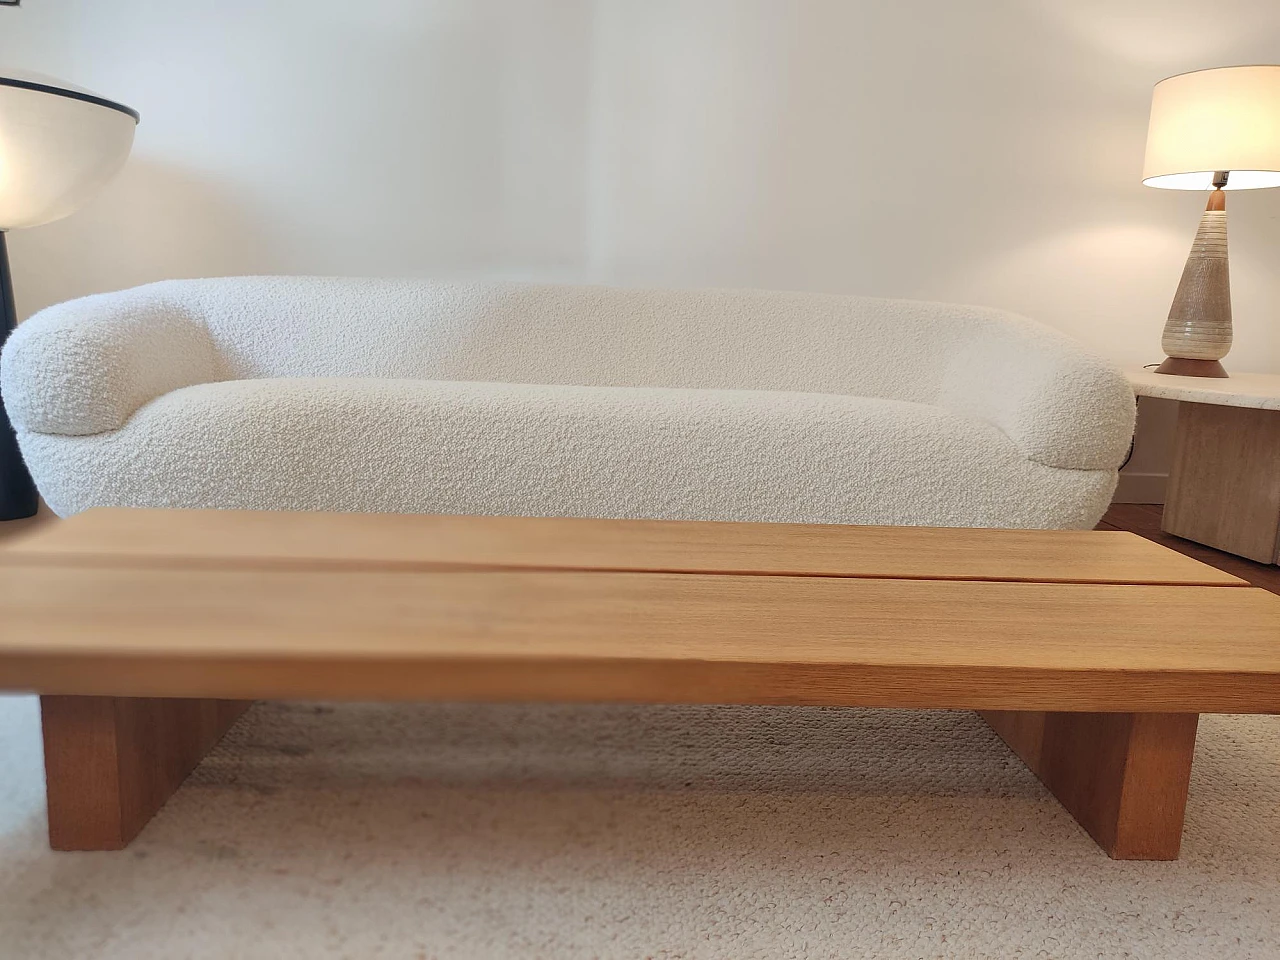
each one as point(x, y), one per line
point(415, 396)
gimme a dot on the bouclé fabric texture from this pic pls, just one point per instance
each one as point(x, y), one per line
point(416, 396)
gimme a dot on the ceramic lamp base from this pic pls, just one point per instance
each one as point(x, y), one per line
point(1197, 334)
point(1185, 367)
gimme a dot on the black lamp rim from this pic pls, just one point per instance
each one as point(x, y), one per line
point(70, 94)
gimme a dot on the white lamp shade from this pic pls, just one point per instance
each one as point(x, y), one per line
point(1227, 119)
point(58, 145)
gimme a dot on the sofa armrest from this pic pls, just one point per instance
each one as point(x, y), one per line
point(87, 366)
point(1061, 405)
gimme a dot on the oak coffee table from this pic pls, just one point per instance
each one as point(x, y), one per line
point(147, 632)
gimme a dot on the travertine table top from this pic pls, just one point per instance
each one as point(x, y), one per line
point(1260, 390)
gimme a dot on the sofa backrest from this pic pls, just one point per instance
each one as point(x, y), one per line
point(599, 336)
point(86, 366)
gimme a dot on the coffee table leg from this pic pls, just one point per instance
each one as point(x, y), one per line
point(112, 762)
point(1123, 776)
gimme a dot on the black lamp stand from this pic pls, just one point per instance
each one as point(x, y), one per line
point(17, 492)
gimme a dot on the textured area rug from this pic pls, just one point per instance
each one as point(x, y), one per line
point(554, 831)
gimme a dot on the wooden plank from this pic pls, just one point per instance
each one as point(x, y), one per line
point(222, 538)
point(111, 763)
point(646, 637)
point(1224, 485)
point(1123, 776)
point(1144, 519)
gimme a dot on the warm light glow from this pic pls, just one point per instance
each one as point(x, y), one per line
point(56, 148)
point(1225, 119)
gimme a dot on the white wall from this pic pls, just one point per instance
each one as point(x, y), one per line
point(984, 151)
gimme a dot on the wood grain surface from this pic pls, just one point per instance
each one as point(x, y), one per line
point(245, 539)
point(646, 637)
point(111, 762)
point(1123, 776)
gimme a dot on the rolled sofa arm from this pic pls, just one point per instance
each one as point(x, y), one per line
point(87, 366)
point(1061, 405)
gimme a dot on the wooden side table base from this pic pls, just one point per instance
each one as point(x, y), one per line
point(1123, 776)
point(112, 762)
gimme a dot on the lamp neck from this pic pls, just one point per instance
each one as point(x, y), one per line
point(8, 314)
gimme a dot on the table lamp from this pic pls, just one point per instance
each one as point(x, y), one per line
point(1210, 130)
point(58, 145)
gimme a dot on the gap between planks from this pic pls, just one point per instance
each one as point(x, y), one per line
point(338, 565)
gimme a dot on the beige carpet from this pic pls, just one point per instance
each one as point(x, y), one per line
point(478, 831)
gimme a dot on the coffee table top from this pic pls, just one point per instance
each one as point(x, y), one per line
point(360, 606)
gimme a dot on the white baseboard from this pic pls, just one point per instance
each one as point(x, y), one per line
point(1141, 488)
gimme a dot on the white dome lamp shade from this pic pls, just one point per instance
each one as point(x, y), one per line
point(1212, 130)
point(59, 144)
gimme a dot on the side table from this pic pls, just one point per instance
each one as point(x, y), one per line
point(1224, 484)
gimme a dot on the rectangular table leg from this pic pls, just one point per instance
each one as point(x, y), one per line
point(112, 762)
point(1123, 776)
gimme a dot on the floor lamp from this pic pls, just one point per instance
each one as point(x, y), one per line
point(58, 145)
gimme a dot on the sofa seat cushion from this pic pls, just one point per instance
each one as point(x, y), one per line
point(434, 446)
